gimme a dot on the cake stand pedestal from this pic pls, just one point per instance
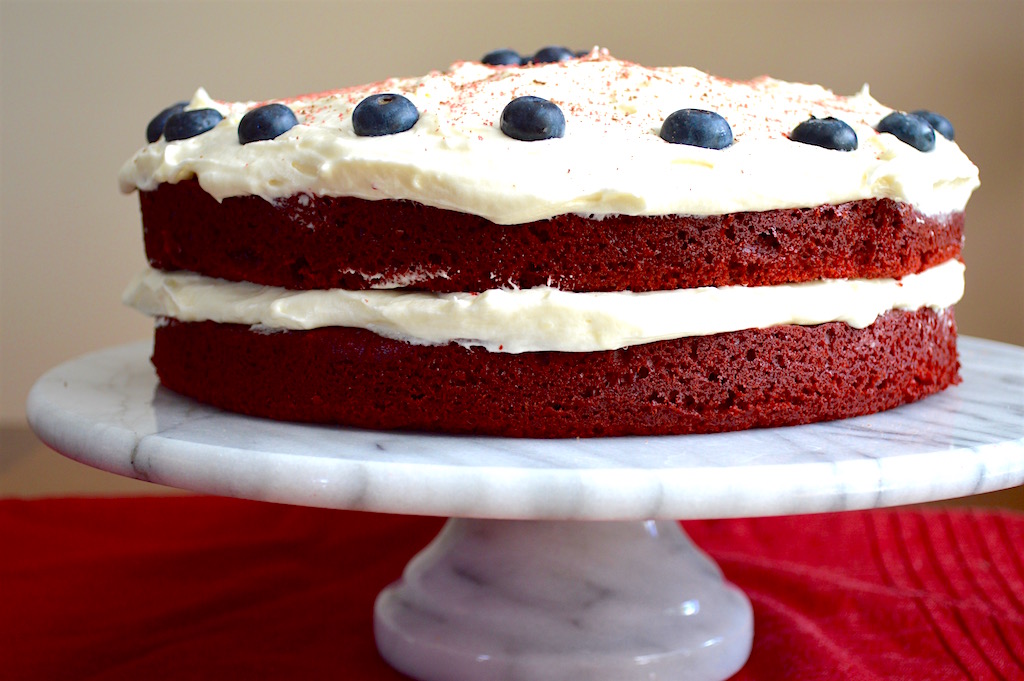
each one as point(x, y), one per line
point(515, 587)
point(547, 599)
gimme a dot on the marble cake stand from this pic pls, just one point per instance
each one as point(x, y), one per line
point(515, 587)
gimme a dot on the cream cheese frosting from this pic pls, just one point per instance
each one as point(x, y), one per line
point(610, 161)
point(543, 318)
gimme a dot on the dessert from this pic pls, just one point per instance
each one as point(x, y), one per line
point(574, 248)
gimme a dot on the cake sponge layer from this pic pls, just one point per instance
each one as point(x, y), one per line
point(778, 376)
point(309, 242)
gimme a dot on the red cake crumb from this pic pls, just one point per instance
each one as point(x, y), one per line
point(307, 242)
point(756, 378)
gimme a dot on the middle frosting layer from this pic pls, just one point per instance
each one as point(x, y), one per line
point(543, 318)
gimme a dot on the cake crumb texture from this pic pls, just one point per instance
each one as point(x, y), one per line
point(779, 376)
point(306, 242)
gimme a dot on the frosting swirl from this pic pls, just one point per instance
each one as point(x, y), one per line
point(610, 160)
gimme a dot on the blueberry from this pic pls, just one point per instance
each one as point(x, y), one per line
point(937, 121)
point(531, 118)
point(384, 114)
point(697, 128)
point(266, 123)
point(830, 133)
point(502, 58)
point(553, 53)
point(185, 124)
point(156, 126)
point(908, 128)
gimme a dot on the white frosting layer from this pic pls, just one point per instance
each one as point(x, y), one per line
point(611, 160)
point(543, 318)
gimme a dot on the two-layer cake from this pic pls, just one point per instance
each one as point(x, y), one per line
point(579, 248)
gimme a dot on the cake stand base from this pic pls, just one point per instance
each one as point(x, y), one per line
point(546, 600)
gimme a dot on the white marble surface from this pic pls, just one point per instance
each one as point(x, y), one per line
point(545, 601)
point(503, 600)
point(107, 410)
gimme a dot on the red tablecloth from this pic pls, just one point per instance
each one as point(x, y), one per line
point(200, 587)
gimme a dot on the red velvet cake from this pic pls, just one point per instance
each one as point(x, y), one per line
point(581, 248)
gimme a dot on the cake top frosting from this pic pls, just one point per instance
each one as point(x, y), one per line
point(610, 159)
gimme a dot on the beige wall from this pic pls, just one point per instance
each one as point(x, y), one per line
point(80, 80)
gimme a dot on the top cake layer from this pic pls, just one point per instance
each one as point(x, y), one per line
point(611, 159)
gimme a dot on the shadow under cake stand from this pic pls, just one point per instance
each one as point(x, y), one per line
point(515, 586)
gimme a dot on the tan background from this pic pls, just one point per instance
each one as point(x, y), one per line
point(80, 80)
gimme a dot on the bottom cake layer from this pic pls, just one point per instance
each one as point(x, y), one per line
point(779, 376)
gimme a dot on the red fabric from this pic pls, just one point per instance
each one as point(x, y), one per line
point(187, 587)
